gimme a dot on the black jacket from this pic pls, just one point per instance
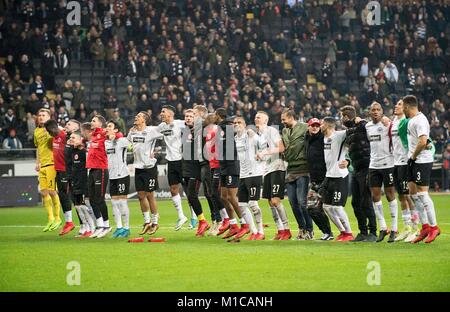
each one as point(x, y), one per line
point(315, 156)
point(358, 146)
point(190, 165)
point(79, 178)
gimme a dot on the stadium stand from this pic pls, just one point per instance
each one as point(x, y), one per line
point(313, 56)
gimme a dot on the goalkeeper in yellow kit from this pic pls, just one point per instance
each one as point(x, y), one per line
point(47, 173)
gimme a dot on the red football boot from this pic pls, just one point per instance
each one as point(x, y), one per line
point(434, 232)
point(286, 235)
point(347, 237)
point(87, 234)
point(423, 234)
point(69, 226)
point(224, 227)
point(245, 229)
point(260, 236)
point(252, 237)
point(203, 226)
point(340, 236)
point(279, 235)
point(234, 229)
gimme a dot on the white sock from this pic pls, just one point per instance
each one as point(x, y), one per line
point(176, 200)
point(155, 218)
point(116, 212)
point(406, 217)
point(247, 216)
point(423, 217)
point(242, 220)
point(224, 214)
point(68, 216)
point(90, 223)
point(277, 219)
point(393, 208)
point(233, 221)
point(283, 216)
point(330, 212)
point(343, 217)
point(257, 213)
point(428, 206)
point(83, 227)
point(89, 208)
point(146, 215)
point(106, 224)
point(99, 222)
point(125, 212)
point(380, 214)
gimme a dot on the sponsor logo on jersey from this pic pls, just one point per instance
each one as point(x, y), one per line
point(327, 146)
point(167, 132)
point(138, 140)
point(110, 151)
point(374, 138)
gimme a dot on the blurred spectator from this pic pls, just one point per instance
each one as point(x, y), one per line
point(120, 121)
point(61, 62)
point(38, 87)
point(12, 142)
point(446, 168)
point(62, 116)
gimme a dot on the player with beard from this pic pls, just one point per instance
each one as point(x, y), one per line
point(191, 169)
point(274, 173)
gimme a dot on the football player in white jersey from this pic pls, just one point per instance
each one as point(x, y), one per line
point(381, 170)
point(274, 173)
point(409, 214)
point(119, 178)
point(250, 179)
point(420, 164)
point(172, 131)
point(143, 139)
point(335, 186)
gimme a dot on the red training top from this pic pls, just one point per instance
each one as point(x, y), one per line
point(211, 146)
point(96, 158)
point(59, 143)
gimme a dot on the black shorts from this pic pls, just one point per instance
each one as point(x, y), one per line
point(379, 177)
point(62, 182)
point(335, 191)
point(249, 189)
point(78, 199)
point(174, 172)
point(146, 180)
point(274, 185)
point(420, 174)
point(401, 179)
point(119, 187)
point(229, 181)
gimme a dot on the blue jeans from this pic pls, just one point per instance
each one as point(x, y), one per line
point(297, 194)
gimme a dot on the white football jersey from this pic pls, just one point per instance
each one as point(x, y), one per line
point(247, 148)
point(172, 137)
point(269, 137)
point(399, 151)
point(334, 145)
point(143, 145)
point(381, 156)
point(417, 127)
point(117, 158)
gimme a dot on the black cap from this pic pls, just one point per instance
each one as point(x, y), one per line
point(169, 107)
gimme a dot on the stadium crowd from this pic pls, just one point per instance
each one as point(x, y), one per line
point(221, 53)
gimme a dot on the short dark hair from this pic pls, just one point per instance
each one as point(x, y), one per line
point(77, 133)
point(50, 124)
point(146, 116)
point(329, 120)
point(349, 111)
point(116, 125)
point(169, 107)
point(221, 112)
point(289, 113)
point(410, 100)
point(101, 119)
point(86, 126)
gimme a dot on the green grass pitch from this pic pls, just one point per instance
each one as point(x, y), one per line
point(31, 260)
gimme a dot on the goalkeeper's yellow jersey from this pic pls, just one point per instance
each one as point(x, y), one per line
point(44, 144)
